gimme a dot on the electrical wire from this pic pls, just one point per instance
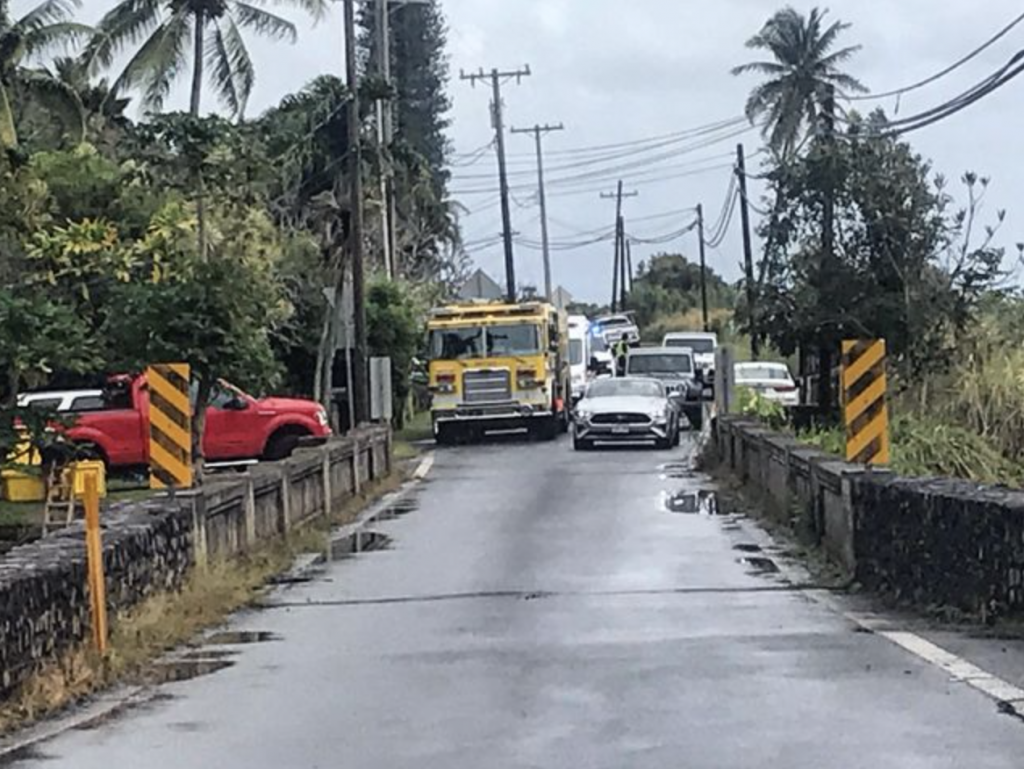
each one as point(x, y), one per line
point(997, 80)
point(939, 75)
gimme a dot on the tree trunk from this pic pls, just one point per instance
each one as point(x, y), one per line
point(199, 425)
point(197, 64)
point(8, 134)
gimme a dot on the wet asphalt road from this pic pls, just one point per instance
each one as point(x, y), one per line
point(540, 608)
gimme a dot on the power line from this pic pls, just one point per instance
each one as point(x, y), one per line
point(686, 133)
point(997, 80)
point(951, 68)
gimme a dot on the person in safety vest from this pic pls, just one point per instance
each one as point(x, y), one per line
point(620, 351)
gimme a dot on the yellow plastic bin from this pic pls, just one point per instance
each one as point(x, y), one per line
point(84, 468)
point(22, 487)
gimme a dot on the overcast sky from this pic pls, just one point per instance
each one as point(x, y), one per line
point(617, 72)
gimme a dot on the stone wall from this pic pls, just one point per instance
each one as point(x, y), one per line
point(151, 546)
point(942, 543)
point(926, 542)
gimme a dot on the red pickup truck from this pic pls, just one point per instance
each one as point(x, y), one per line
point(238, 426)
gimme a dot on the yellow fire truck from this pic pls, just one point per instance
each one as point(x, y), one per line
point(496, 366)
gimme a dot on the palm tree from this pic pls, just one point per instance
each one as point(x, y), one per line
point(162, 31)
point(802, 77)
point(42, 28)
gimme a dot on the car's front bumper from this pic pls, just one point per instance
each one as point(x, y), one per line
point(584, 430)
point(489, 412)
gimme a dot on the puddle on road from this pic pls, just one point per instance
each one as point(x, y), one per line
point(761, 565)
point(358, 542)
point(676, 471)
point(747, 547)
point(238, 637)
point(691, 502)
point(174, 671)
point(401, 508)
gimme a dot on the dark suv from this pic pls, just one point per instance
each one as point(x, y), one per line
point(674, 368)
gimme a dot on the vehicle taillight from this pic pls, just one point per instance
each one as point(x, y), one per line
point(785, 388)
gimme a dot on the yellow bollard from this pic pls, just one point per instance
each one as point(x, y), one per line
point(94, 551)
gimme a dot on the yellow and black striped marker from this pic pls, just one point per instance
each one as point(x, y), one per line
point(170, 426)
point(864, 402)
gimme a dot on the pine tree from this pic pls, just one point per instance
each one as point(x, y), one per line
point(420, 148)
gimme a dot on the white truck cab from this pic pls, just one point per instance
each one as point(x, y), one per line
point(702, 343)
point(579, 354)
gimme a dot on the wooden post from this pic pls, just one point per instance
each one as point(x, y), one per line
point(250, 513)
point(356, 481)
point(328, 493)
point(94, 552)
point(286, 499)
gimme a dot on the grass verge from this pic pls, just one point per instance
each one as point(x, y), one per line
point(417, 430)
point(167, 620)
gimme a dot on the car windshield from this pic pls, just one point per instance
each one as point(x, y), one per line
point(659, 364)
point(575, 352)
point(518, 339)
point(762, 373)
point(699, 345)
point(484, 341)
point(623, 388)
point(457, 343)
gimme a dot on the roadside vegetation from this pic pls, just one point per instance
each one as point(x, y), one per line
point(182, 236)
point(863, 238)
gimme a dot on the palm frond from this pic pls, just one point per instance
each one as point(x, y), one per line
point(47, 13)
point(223, 71)
point(830, 62)
point(828, 38)
point(760, 67)
point(128, 23)
point(63, 34)
point(847, 83)
point(159, 61)
point(317, 9)
point(263, 22)
point(233, 73)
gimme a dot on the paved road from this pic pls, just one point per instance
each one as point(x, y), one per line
point(541, 608)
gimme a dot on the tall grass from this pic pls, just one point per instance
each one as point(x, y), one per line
point(924, 446)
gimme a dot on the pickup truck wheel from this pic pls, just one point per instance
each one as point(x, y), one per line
point(281, 445)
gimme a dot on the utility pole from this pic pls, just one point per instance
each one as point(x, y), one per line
point(496, 77)
point(825, 394)
point(619, 265)
point(748, 253)
point(703, 269)
point(358, 384)
point(538, 132)
point(629, 263)
point(384, 133)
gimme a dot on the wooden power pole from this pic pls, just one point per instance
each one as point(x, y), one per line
point(538, 132)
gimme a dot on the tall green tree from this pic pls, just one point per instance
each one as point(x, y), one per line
point(804, 68)
point(162, 32)
point(46, 26)
point(427, 229)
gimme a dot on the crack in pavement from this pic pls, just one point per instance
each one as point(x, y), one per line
point(533, 595)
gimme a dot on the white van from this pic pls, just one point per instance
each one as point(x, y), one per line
point(579, 354)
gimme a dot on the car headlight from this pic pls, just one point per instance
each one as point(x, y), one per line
point(584, 415)
point(321, 417)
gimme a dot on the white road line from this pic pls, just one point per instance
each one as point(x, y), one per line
point(958, 668)
point(424, 467)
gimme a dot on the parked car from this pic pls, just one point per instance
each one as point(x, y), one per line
point(238, 426)
point(64, 401)
point(675, 369)
point(625, 409)
point(770, 380)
